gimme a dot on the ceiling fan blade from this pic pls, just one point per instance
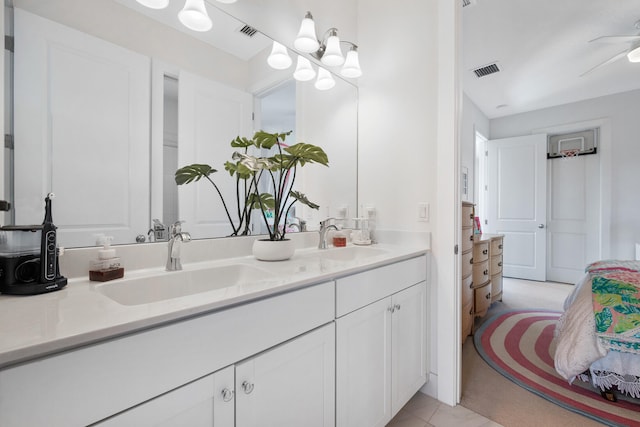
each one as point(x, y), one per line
point(615, 39)
point(608, 61)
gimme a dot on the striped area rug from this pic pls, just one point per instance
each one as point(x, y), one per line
point(519, 344)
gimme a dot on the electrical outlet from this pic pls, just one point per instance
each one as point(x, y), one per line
point(423, 212)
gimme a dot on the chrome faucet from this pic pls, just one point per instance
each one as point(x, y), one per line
point(176, 237)
point(158, 232)
point(324, 227)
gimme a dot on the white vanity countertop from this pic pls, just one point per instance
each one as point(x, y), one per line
point(33, 326)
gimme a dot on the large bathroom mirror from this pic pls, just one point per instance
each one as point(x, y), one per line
point(110, 98)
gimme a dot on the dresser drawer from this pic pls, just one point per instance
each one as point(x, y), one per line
point(496, 287)
point(467, 289)
point(482, 299)
point(467, 215)
point(467, 320)
point(467, 263)
point(496, 245)
point(467, 238)
point(480, 273)
point(480, 251)
point(496, 264)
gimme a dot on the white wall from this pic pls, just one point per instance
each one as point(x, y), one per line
point(622, 111)
point(473, 120)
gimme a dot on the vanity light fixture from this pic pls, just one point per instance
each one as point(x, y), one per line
point(154, 4)
point(304, 70)
point(194, 16)
point(279, 57)
point(325, 80)
point(307, 40)
point(351, 66)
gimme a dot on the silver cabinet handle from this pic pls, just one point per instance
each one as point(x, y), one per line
point(391, 309)
point(247, 387)
point(227, 395)
point(540, 225)
point(397, 306)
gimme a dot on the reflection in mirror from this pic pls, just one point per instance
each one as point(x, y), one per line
point(110, 102)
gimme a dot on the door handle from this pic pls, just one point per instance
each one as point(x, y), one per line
point(540, 225)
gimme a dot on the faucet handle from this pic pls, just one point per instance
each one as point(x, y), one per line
point(175, 228)
point(325, 222)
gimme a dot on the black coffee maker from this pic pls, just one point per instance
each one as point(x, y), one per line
point(29, 257)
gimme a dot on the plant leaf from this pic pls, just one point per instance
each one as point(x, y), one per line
point(303, 199)
point(241, 142)
point(603, 320)
point(193, 172)
point(308, 153)
point(252, 163)
point(267, 140)
point(267, 201)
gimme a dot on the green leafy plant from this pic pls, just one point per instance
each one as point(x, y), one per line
point(279, 170)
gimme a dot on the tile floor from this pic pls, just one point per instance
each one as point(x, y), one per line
point(425, 411)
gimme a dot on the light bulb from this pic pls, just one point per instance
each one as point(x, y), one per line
point(332, 54)
point(279, 57)
point(325, 80)
point(194, 16)
point(304, 71)
point(634, 54)
point(154, 4)
point(351, 66)
point(307, 41)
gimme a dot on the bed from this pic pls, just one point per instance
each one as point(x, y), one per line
point(598, 335)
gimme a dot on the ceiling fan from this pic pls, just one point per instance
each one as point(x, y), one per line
point(632, 52)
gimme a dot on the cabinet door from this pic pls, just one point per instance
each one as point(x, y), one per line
point(363, 366)
point(291, 385)
point(409, 344)
point(203, 403)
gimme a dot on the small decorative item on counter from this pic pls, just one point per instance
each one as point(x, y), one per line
point(361, 236)
point(339, 239)
point(107, 266)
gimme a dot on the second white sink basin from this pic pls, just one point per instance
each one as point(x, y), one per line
point(169, 285)
point(350, 253)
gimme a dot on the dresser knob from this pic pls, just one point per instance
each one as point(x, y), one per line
point(484, 252)
point(471, 261)
point(247, 387)
point(488, 295)
point(227, 395)
point(486, 272)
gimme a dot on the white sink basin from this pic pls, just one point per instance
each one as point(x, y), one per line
point(176, 284)
point(350, 253)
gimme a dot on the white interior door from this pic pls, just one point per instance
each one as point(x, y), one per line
point(516, 197)
point(573, 226)
point(210, 115)
point(81, 131)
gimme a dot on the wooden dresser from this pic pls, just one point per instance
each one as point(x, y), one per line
point(481, 270)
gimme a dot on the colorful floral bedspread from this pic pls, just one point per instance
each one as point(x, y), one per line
point(615, 287)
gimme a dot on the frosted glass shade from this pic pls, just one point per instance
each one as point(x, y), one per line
point(332, 54)
point(304, 70)
point(279, 57)
point(325, 80)
point(154, 4)
point(194, 16)
point(634, 54)
point(351, 66)
point(307, 41)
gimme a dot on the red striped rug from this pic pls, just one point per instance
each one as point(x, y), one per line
point(519, 345)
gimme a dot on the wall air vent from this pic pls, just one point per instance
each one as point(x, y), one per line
point(466, 3)
point(248, 31)
point(486, 70)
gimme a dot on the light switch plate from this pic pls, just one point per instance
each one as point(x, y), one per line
point(423, 212)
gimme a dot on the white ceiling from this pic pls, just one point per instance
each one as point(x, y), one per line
point(542, 48)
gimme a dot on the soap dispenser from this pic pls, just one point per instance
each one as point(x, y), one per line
point(107, 266)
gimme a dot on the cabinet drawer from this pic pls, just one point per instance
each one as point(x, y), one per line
point(467, 238)
point(482, 299)
point(358, 290)
point(467, 215)
point(467, 289)
point(467, 319)
point(496, 245)
point(496, 265)
point(480, 251)
point(480, 273)
point(496, 287)
point(467, 263)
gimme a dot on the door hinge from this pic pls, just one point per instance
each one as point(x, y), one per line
point(9, 43)
point(253, 117)
point(8, 141)
point(455, 250)
point(486, 153)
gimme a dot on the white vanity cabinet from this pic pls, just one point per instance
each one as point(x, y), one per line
point(292, 384)
point(381, 342)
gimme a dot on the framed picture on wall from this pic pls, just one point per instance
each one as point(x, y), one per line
point(465, 183)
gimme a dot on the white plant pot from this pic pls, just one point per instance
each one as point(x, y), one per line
point(273, 250)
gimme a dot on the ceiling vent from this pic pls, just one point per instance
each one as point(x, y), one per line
point(248, 31)
point(486, 70)
point(466, 3)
